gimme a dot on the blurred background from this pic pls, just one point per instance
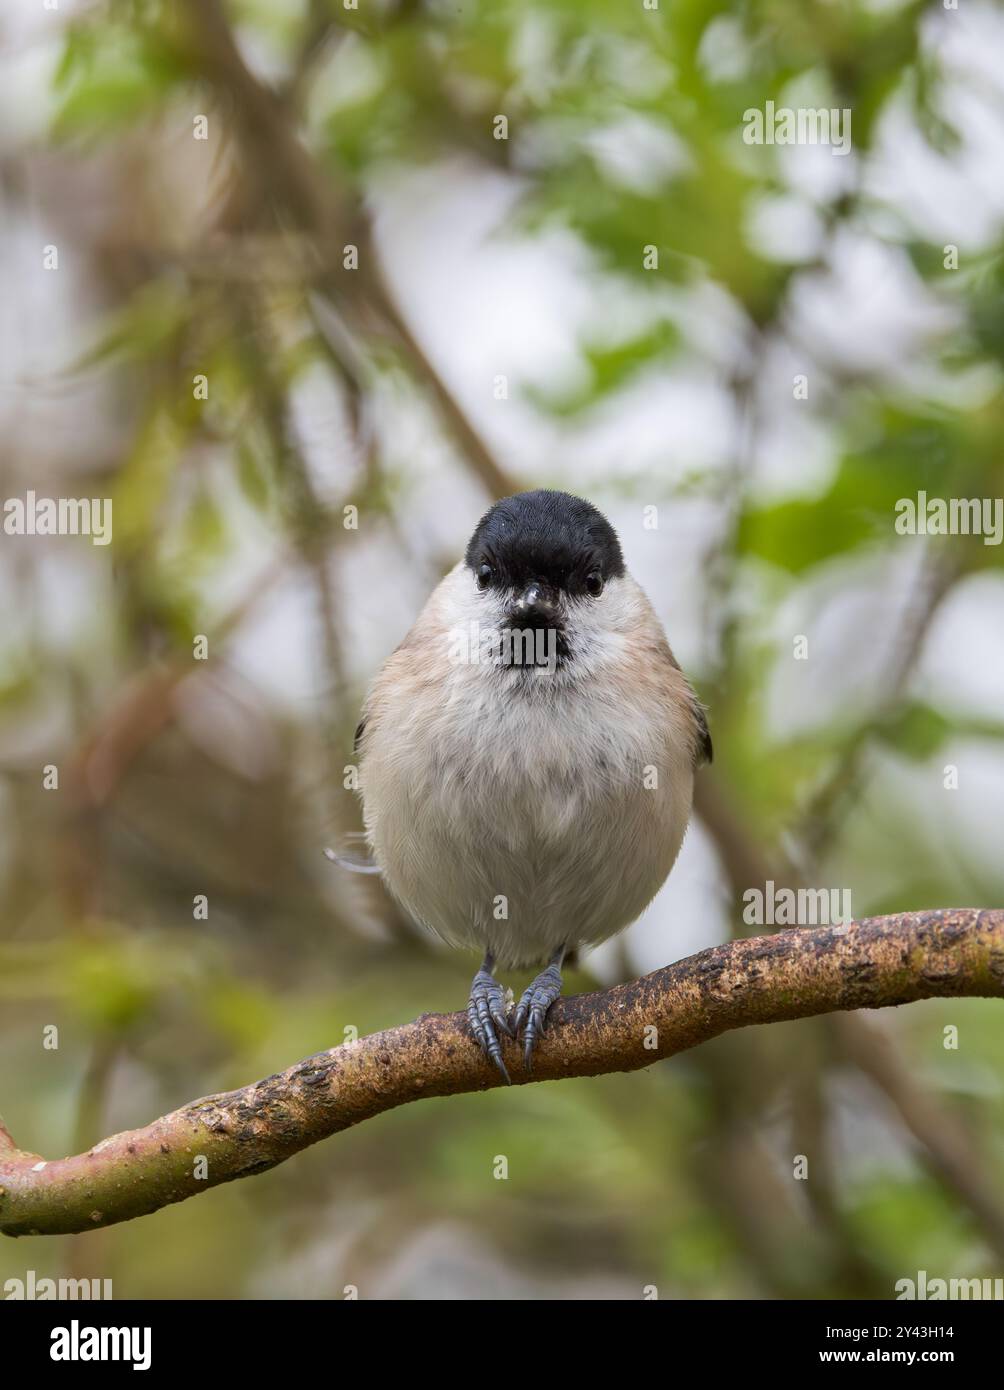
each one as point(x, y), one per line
point(297, 272)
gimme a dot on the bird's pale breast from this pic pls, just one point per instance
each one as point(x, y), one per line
point(524, 823)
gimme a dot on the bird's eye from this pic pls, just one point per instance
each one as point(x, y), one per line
point(485, 573)
point(594, 583)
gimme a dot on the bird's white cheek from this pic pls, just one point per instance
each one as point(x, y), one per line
point(597, 632)
point(465, 604)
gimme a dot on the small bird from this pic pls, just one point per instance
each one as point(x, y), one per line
point(527, 754)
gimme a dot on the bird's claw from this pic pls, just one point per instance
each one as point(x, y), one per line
point(531, 1012)
point(486, 1013)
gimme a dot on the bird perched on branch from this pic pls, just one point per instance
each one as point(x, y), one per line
point(528, 754)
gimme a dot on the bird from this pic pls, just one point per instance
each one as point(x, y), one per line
point(526, 755)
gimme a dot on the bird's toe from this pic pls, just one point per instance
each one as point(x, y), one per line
point(532, 1010)
point(486, 1013)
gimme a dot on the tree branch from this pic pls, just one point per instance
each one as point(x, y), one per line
point(876, 963)
point(946, 1149)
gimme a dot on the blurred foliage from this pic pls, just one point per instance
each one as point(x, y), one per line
point(225, 259)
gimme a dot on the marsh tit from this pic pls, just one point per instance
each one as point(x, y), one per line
point(527, 754)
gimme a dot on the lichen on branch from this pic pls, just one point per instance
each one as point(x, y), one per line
point(876, 963)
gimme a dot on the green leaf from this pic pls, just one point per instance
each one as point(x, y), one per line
point(912, 452)
point(105, 87)
point(610, 369)
point(918, 730)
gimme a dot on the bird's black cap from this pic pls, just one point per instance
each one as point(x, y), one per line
point(545, 535)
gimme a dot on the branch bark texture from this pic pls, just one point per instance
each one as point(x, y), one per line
point(875, 963)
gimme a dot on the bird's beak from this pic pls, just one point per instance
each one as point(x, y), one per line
point(537, 606)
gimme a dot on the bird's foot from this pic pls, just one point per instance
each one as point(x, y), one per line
point(531, 1012)
point(486, 1013)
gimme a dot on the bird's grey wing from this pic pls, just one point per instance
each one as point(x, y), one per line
point(348, 855)
point(705, 751)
